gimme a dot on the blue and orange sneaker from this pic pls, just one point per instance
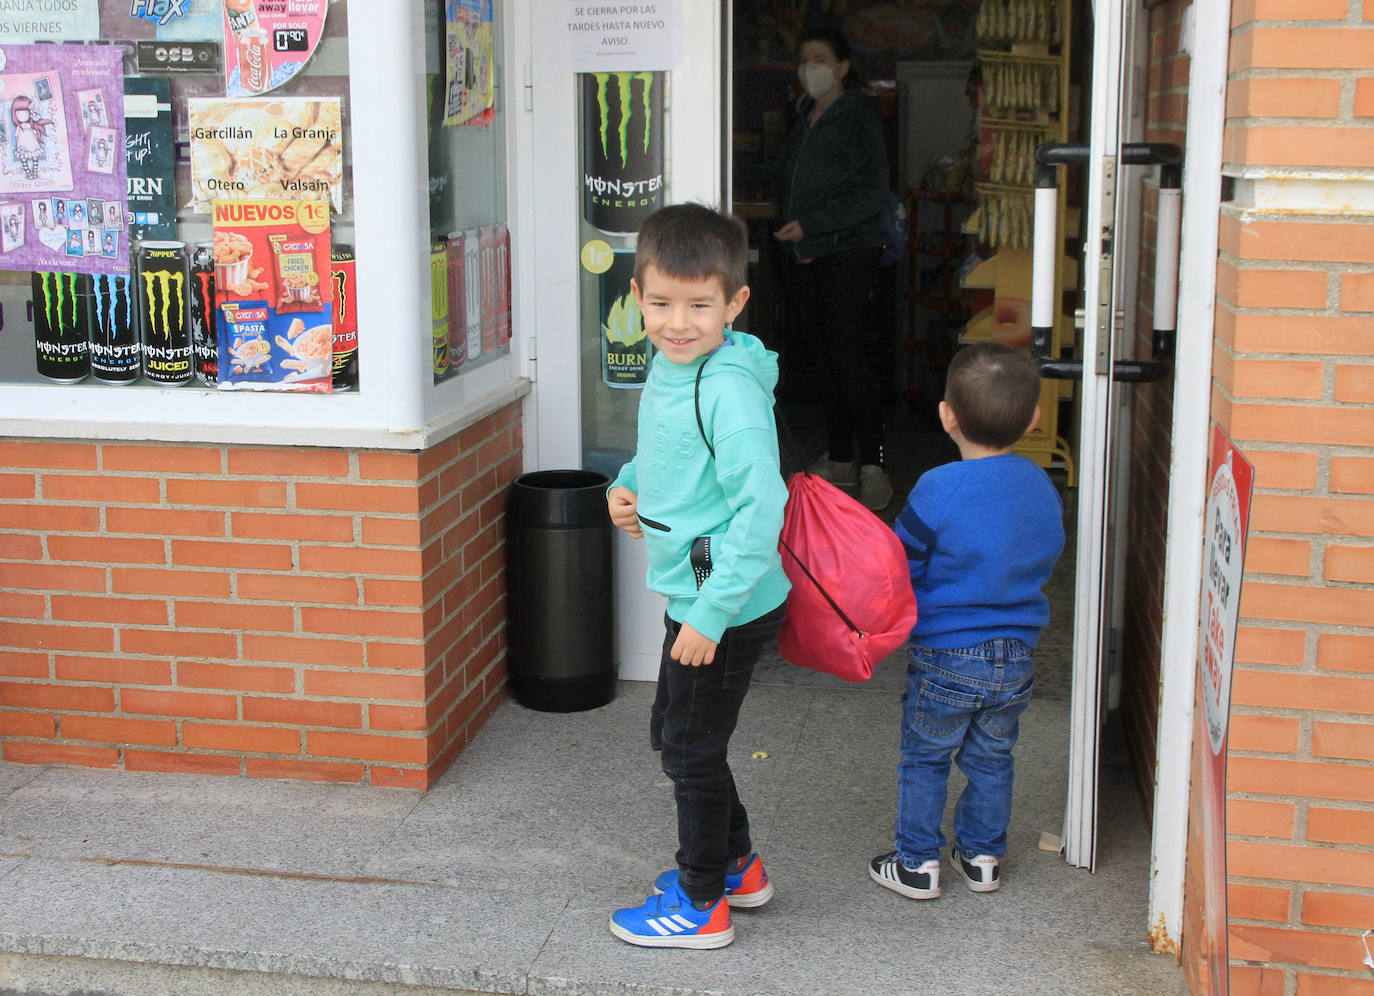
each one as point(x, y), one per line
point(669, 920)
point(747, 888)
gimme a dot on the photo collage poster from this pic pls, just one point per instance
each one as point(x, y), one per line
point(62, 168)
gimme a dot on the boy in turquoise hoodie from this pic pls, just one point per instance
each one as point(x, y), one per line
point(704, 493)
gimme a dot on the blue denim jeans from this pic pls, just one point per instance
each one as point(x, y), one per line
point(693, 716)
point(961, 705)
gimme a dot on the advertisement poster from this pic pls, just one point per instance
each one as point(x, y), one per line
point(467, 55)
point(275, 296)
point(1228, 521)
point(182, 20)
point(266, 42)
point(69, 20)
point(622, 149)
point(150, 202)
point(288, 148)
point(62, 182)
point(624, 343)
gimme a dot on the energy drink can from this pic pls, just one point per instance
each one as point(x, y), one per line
point(343, 270)
point(503, 310)
point(204, 314)
point(438, 306)
point(622, 149)
point(472, 290)
point(116, 356)
point(61, 325)
point(457, 315)
point(163, 315)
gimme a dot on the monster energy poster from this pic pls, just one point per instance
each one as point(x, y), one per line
point(624, 344)
point(622, 149)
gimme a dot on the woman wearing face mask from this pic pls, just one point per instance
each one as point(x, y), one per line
point(835, 179)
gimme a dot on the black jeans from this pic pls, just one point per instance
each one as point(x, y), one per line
point(694, 715)
point(843, 337)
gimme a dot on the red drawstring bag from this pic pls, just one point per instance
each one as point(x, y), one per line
point(851, 602)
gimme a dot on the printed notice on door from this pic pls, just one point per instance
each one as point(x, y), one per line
point(23, 21)
point(601, 37)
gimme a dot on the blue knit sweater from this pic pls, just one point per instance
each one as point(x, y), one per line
point(981, 538)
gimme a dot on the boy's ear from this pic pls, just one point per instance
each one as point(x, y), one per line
point(1035, 420)
point(948, 420)
point(736, 304)
point(639, 294)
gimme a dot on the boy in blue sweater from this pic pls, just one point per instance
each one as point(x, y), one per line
point(704, 493)
point(982, 536)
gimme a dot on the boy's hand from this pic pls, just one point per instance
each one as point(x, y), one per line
point(623, 504)
point(691, 648)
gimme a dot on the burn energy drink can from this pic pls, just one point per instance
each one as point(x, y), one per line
point(116, 356)
point(61, 325)
point(343, 270)
point(204, 314)
point(163, 315)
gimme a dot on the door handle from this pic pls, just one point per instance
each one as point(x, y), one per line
point(1050, 156)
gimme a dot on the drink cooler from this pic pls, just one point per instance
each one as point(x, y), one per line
point(561, 591)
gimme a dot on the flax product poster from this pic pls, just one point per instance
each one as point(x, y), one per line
point(624, 343)
point(622, 149)
point(273, 292)
point(284, 148)
point(267, 42)
point(150, 201)
point(62, 179)
point(468, 89)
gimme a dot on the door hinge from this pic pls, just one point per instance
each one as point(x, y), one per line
point(531, 356)
point(529, 87)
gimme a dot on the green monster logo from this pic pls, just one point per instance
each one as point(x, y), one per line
point(624, 83)
point(62, 286)
point(163, 279)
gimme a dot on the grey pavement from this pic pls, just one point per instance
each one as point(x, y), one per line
point(502, 877)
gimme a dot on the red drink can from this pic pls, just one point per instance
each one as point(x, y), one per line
point(343, 269)
point(502, 283)
point(255, 63)
point(457, 315)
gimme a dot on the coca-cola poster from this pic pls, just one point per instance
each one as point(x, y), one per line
point(267, 42)
point(62, 172)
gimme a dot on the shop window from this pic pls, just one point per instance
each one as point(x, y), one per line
point(180, 231)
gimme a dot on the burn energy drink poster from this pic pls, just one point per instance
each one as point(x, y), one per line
point(150, 202)
point(267, 42)
point(274, 296)
point(622, 149)
point(624, 343)
point(62, 177)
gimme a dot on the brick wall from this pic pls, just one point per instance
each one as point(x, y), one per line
point(1151, 423)
point(1294, 387)
point(309, 613)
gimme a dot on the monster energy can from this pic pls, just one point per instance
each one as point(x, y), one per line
point(204, 329)
point(438, 306)
point(343, 269)
point(162, 287)
point(622, 149)
point(61, 325)
point(116, 357)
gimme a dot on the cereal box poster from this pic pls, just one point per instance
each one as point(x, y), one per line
point(274, 294)
point(62, 173)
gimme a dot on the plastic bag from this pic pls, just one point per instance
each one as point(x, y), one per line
point(851, 602)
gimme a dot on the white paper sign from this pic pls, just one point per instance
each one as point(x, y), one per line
point(604, 37)
point(26, 21)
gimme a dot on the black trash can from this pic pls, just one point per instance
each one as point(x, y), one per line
point(562, 623)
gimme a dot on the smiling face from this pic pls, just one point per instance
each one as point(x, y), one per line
point(685, 319)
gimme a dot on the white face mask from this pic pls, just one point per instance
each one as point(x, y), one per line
point(816, 79)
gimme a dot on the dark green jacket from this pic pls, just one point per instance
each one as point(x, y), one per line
point(835, 177)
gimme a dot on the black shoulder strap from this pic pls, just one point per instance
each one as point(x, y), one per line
point(696, 400)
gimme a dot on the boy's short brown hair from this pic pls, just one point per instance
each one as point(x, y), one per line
point(993, 390)
point(693, 242)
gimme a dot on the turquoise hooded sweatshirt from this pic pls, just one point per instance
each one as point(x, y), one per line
point(735, 499)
